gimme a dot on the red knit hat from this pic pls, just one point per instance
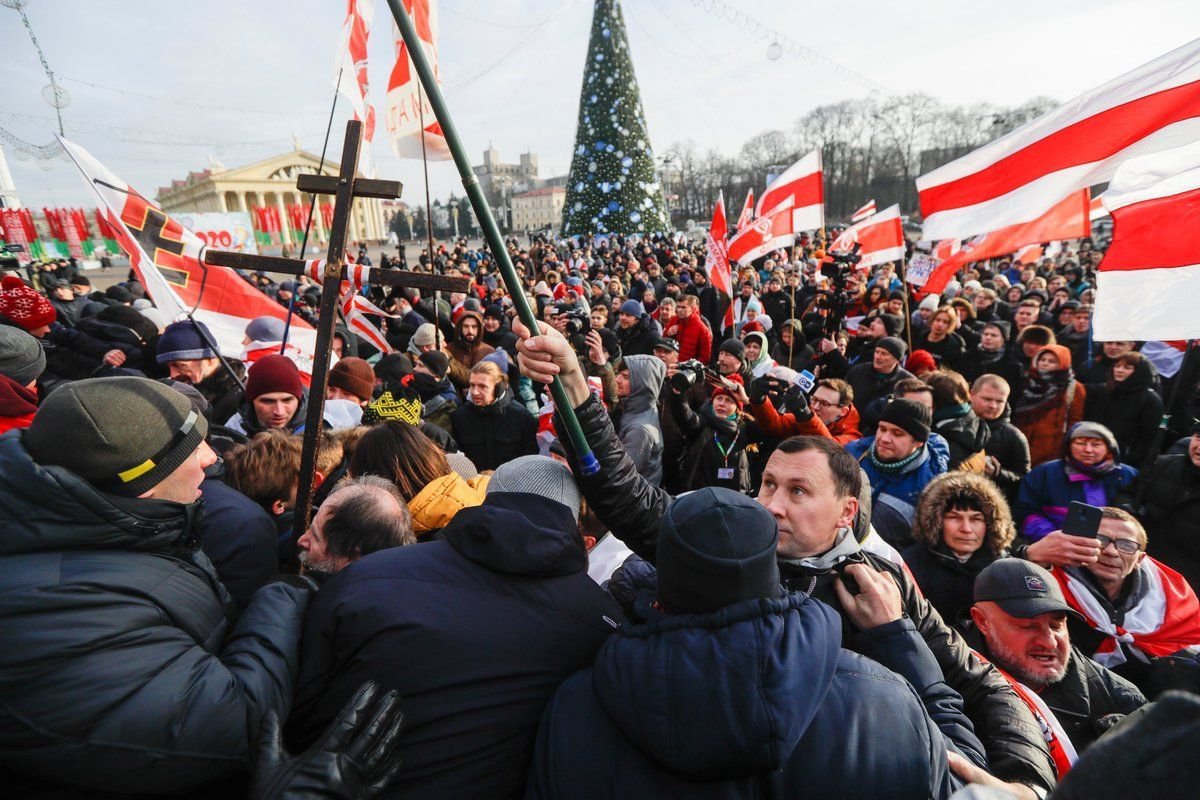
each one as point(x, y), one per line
point(273, 373)
point(921, 361)
point(735, 378)
point(23, 305)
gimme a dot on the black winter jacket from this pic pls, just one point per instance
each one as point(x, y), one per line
point(120, 669)
point(476, 631)
point(240, 540)
point(639, 340)
point(1008, 445)
point(1171, 513)
point(757, 700)
point(1086, 693)
point(966, 434)
point(634, 510)
point(1131, 410)
point(947, 583)
point(490, 435)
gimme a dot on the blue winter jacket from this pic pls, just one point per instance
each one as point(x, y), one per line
point(757, 700)
point(1047, 491)
point(894, 496)
point(476, 631)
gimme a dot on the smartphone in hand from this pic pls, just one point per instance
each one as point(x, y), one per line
point(1083, 520)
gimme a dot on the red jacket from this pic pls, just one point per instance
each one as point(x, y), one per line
point(694, 337)
point(781, 426)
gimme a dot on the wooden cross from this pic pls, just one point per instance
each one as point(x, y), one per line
point(346, 186)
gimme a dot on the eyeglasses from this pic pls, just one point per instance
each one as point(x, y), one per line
point(817, 402)
point(1126, 546)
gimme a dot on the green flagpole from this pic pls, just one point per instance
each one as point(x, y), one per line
point(491, 232)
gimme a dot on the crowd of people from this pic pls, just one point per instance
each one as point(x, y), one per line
point(826, 552)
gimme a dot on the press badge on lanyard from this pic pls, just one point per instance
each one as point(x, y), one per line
point(725, 473)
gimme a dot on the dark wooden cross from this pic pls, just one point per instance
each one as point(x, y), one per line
point(346, 186)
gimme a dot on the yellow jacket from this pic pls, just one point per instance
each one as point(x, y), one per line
point(436, 504)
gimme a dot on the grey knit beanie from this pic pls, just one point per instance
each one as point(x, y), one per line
point(538, 475)
point(21, 356)
point(122, 435)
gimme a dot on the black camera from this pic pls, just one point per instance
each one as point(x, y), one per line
point(689, 373)
point(578, 323)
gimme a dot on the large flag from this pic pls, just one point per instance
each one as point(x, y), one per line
point(1020, 176)
point(881, 238)
point(800, 189)
point(405, 101)
point(867, 210)
point(350, 73)
point(1148, 285)
point(716, 260)
point(1067, 219)
point(764, 235)
point(167, 258)
point(747, 215)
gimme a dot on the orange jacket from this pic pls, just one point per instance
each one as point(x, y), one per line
point(781, 426)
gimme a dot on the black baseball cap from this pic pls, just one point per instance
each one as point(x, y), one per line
point(1021, 588)
point(664, 343)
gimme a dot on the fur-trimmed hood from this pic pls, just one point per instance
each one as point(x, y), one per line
point(927, 527)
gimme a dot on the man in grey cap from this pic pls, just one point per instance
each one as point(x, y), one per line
point(1020, 624)
point(476, 630)
point(122, 671)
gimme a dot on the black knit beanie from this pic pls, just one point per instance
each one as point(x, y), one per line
point(910, 416)
point(122, 435)
point(716, 547)
point(735, 348)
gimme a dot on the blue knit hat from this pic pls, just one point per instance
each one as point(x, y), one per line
point(633, 308)
point(182, 342)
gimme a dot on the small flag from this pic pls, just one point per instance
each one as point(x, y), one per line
point(867, 210)
point(716, 261)
point(764, 235)
point(747, 215)
point(800, 189)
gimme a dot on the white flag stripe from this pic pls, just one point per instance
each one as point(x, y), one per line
point(1154, 304)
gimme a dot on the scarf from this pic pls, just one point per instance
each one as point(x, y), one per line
point(895, 467)
point(1043, 387)
point(988, 357)
point(951, 412)
point(1074, 468)
point(1164, 620)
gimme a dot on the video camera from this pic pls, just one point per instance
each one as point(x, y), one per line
point(689, 373)
point(578, 323)
point(837, 298)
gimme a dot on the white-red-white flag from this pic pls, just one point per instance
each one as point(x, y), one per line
point(1018, 177)
point(765, 234)
point(406, 102)
point(867, 210)
point(716, 259)
point(350, 73)
point(799, 188)
point(747, 215)
point(168, 260)
point(881, 238)
point(1148, 284)
point(1097, 210)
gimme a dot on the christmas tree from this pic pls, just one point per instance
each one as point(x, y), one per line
point(612, 187)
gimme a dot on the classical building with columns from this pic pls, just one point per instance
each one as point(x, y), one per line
point(268, 183)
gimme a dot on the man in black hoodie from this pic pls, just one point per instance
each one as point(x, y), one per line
point(476, 630)
point(496, 331)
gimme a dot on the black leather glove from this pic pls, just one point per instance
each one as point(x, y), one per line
point(353, 759)
point(759, 389)
point(796, 401)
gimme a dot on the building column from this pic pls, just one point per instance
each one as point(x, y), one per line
point(285, 235)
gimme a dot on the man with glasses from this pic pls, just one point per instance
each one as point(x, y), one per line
point(830, 413)
point(1135, 611)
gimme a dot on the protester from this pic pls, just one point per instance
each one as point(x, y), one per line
point(636, 331)
point(490, 427)
point(189, 352)
point(639, 379)
point(1020, 623)
point(961, 526)
point(1127, 405)
point(359, 517)
point(22, 361)
point(956, 421)
point(1170, 511)
point(351, 379)
point(875, 378)
point(734, 688)
point(122, 663)
point(1051, 402)
point(275, 398)
point(1007, 449)
point(507, 579)
point(467, 349)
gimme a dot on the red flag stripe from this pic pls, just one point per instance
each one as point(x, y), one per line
point(1161, 232)
point(806, 191)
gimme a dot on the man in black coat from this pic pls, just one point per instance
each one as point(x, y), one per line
point(491, 428)
point(1020, 623)
point(636, 331)
point(1007, 448)
point(1171, 510)
point(122, 670)
point(874, 378)
point(815, 514)
point(475, 630)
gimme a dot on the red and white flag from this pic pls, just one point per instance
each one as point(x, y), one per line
point(764, 235)
point(867, 210)
point(350, 73)
point(1148, 284)
point(716, 260)
point(799, 188)
point(1067, 219)
point(1029, 254)
point(1097, 210)
point(406, 102)
point(1020, 176)
point(167, 258)
point(747, 215)
point(1167, 357)
point(881, 237)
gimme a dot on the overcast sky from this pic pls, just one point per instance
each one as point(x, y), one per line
point(512, 71)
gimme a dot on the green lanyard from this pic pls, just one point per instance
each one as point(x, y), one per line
point(725, 452)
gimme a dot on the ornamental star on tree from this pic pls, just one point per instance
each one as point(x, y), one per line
point(612, 187)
